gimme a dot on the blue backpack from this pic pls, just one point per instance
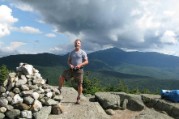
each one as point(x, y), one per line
point(171, 95)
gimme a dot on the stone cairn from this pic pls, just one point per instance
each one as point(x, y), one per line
point(25, 94)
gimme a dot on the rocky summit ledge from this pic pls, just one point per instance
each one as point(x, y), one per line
point(112, 105)
point(145, 106)
point(84, 110)
point(25, 94)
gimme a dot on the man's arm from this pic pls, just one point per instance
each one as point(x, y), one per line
point(85, 62)
point(69, 63)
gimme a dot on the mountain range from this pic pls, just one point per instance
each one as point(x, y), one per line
point(138, 69)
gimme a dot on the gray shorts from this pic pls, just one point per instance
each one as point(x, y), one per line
point(77, 75)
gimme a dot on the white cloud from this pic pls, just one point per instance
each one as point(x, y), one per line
point(50, 35)
point(1, 44)
point(13, 46)
point(169, 13)
point(6, 20)
point(17, 44)
point(6, 15)
point(23, 7)
point(169, 37)
point(138, 24)
point(168, 49)
point(135, 12)
point(60, 49)
point(4, 30)
point(28, 29)
point(41, 21)
point(147, 22)
point(56, 50)
point(11, 49)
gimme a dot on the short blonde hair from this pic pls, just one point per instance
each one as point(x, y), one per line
point(77, 40)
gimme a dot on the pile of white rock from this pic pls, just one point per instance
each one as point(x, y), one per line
point(25, 94)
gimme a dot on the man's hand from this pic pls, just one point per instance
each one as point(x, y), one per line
point(82, 64)
point(71, 66)
point(78, 66)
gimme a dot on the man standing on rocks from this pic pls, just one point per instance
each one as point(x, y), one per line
point(77, 60)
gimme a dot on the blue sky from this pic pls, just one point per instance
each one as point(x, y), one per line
point(26, 33)
point(33, 26)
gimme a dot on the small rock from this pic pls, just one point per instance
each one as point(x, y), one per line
point(110, 111)
point(2, 89)
point(43, 113)
point(3, 109)
point(37, 105)
point(57, 109)
point(2, 116)
point(35, 95)
point(17, 99)
point(124, 104)
point(13, 114)
point(26, 114)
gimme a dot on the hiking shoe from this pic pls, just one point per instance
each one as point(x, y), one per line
point(60, 90)
point(78, 100)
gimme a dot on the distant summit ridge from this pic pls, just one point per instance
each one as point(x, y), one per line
point(108, 66)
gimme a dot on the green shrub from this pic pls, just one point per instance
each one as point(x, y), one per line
point(3, 74)
point(91, 86)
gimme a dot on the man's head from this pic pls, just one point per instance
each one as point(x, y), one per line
point(77, 43)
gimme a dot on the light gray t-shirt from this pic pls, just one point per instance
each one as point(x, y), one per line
point(77, 57)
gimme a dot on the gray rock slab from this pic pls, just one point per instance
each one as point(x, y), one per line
point(152, 114)
point(135, 102)
point(43, 113)
point(157, 103)
point(84, 110)
point(108, 100)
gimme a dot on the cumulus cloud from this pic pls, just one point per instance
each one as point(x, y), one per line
point(10, 49)
point(50, 35)
point(27, 29)
point(6, 20)
point(14, 45)
point(57, 50)
point(23, 7)
point(169, 37)
point(133, 25)
point(4, 53)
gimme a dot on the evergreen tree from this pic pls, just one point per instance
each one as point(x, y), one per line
point(135, 91)
point(111, 88)
point(122, 87)
point(145, 91)
point(3, 74)
point(91, 86)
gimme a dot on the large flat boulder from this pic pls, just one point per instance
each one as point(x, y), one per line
point(84, 110)
point(155, 101)
point(116, 100)
point(108, 100)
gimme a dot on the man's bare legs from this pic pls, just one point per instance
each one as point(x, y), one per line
point(80, 90)
point(61, 82)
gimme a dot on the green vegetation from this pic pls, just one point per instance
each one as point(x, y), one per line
point(51, 73)
point(3, 74)
point(95, 81)
point(156, 72)
point(91, 86)
point(110, 70)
